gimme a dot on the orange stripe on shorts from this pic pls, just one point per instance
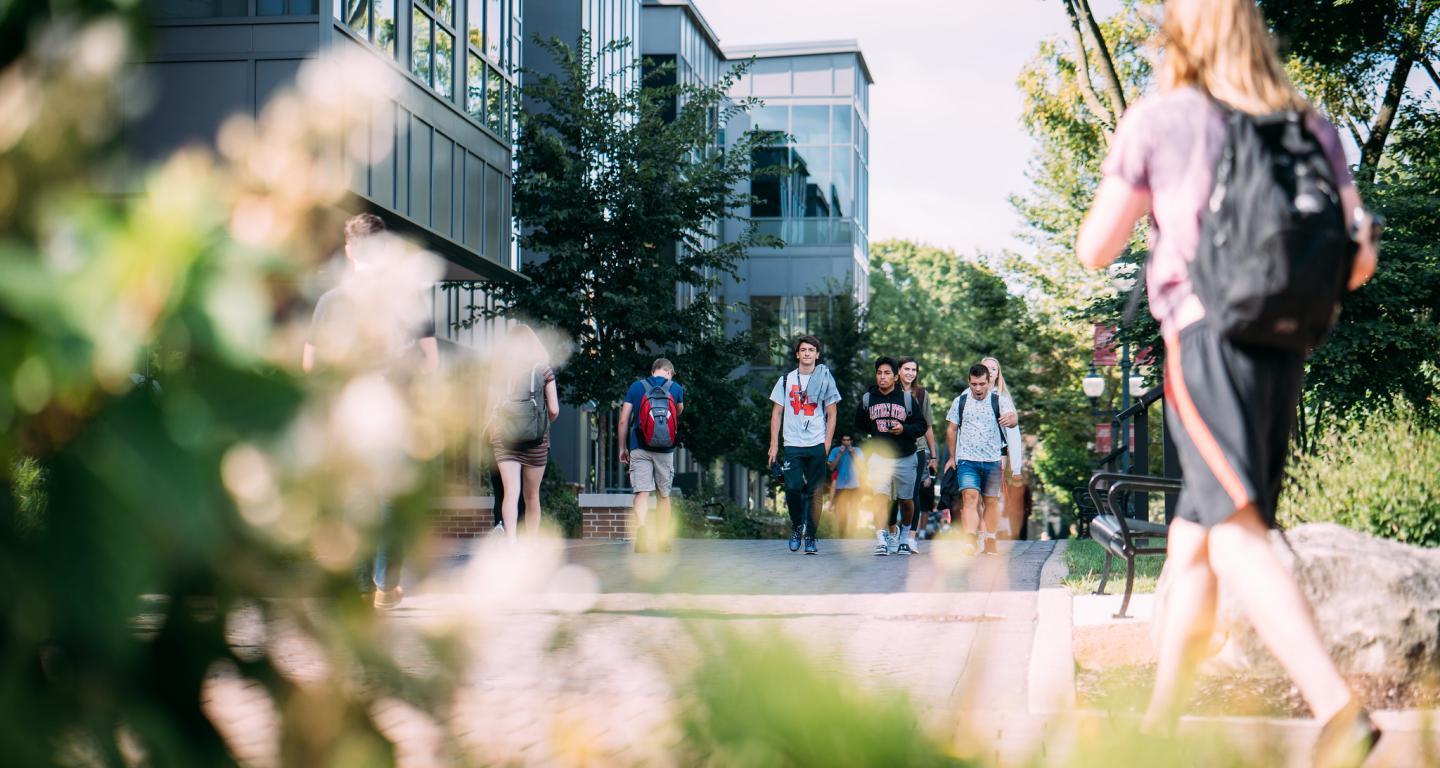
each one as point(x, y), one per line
point(1179, 396)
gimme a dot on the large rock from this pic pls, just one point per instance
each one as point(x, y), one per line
point(1377, 602)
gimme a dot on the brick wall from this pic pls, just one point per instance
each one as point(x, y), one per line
point(463, 517)
point(602, 516)
point(604, 523)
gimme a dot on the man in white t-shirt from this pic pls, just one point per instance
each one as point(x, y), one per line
point(804, 411)
point(974, 442)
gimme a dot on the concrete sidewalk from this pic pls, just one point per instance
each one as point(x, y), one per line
point(580, 662)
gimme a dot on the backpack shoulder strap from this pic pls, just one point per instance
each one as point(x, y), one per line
point(865, 400)
point(909, 402)
point(995, 405)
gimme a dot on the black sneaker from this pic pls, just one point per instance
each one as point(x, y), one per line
point(795, 539)
point(810, 546)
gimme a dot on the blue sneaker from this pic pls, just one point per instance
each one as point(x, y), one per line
point(795, 539)
point(810, 546)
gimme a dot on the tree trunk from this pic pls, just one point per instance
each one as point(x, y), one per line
point(1430, 70)
point(1374, 148)
point(1087, 84)
point(1107, 65)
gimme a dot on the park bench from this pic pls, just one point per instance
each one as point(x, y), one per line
point(1124, 537)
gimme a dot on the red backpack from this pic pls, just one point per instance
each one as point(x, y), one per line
point(657, 421)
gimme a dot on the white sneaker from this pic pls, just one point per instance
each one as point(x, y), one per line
point(911, 539)
point(892, 540)
point(498, 531)
point(882, 547)
point(907, 545)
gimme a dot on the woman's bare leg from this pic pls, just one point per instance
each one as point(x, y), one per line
point(1241, 555)
point(1189, 618)
point(510, 507)
point(533, 476)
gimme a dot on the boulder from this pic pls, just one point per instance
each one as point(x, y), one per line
point(1377, 603)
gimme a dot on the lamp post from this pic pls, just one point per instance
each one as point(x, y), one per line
point(1132, 385)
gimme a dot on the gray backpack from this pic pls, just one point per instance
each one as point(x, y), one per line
point(521, 418)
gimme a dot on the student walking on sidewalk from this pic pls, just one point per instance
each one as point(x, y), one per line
point(648, 446)
point(974, 437)
point(803, 412)
point(891, 423)
point(1225, 149)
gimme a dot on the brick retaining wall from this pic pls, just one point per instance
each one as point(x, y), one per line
point(602, 516)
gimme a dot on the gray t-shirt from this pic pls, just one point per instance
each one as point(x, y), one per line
point(802, 421)
point(979, 438)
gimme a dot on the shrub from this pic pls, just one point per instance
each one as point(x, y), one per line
point(1379, 474)
point(28, 480)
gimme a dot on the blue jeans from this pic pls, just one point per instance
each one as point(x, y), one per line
point(383, 570)
point(982, 476)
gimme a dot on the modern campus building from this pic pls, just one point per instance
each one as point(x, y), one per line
point(446, 176)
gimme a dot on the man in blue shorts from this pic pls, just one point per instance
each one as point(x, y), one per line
point(972, 438)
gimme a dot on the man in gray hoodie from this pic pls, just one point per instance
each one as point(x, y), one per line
point(804, 410)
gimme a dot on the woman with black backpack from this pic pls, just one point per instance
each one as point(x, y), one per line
point(519, 429)
point(1235, 168)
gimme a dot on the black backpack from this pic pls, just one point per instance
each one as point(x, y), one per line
point(994, 406)
point(1274, 251)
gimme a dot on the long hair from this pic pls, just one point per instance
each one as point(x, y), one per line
point(917, 390)
point(1223, 48)
point(999, 383)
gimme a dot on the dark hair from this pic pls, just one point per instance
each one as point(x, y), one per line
point(887, 360)
point(661, 364)
point(813, 341)
point(363, 225)
point(979, 369)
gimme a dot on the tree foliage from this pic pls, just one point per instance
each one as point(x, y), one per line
point(619, 205)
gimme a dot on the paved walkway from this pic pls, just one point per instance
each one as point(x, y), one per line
point(580, 653)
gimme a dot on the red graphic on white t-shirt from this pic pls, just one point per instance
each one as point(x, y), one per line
point(800, 402)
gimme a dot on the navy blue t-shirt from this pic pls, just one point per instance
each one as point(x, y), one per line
point(636, 398)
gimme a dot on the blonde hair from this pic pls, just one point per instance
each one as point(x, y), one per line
point(1223, 48)
point(999, 381)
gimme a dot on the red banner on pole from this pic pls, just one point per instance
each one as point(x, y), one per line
point(1105, 345)
point(1104, 438)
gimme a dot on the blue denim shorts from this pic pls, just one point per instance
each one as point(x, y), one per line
point(982, 476)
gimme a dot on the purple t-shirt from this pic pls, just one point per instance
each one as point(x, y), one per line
point(1167, 144)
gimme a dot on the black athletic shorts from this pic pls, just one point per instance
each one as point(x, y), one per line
point(1231, 412)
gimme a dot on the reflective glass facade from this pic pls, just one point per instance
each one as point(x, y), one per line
point(609, 21)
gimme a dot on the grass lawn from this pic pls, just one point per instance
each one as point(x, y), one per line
point(1085, 557)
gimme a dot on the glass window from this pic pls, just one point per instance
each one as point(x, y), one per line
point(385, 26)
point(771, 77)
point(494, 26)
point(840, 117)
point(494, 102)
point(810, 124)
point(775, 119)
point(475, 86)
point(420, 25)
point(444, 11)
point(475, 24)
point(841, 181)
point(812, 169)
point(356, 15)
point(444, 63)
point(269, 7)
point(812, 76)
point(844, 77)
point(766, 188)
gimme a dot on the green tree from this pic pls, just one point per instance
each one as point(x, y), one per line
point(620, 194)
point(949, 313)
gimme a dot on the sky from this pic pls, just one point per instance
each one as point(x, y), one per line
point(947, 147)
